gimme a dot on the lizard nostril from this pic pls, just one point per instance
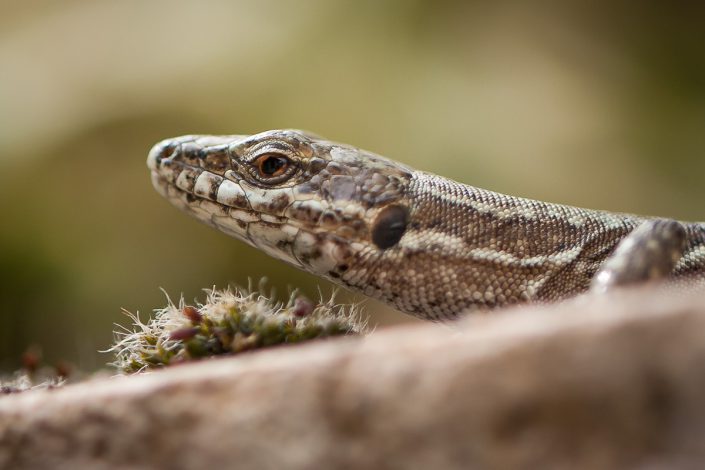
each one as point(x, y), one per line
point(160, 151)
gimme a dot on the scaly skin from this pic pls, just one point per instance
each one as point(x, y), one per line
point(429, 246)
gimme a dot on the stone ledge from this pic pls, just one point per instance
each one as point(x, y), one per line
point(607, 382)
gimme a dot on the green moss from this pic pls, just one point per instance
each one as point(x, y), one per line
point(229, 322)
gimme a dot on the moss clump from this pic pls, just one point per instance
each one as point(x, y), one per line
point(229, 322)
point(22, 382)
point(35, 374)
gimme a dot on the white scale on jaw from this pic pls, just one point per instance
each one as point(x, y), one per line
point(205, 183)
point(187, 178)
point(232, 195)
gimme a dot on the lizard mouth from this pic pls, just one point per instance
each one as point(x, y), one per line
point(275, 236)
point(230, 205)
point(180, 167)
point(179, 177)
point(303, 231)
point(182, 172)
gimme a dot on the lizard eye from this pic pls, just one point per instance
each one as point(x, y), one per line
point(272, 165)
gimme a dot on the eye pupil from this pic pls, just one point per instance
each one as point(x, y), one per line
point(272, 165)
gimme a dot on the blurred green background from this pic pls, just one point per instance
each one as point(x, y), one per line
point(598, 104)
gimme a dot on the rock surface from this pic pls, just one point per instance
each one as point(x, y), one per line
point(608, 382)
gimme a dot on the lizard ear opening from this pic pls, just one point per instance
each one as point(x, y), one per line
point(389, 226)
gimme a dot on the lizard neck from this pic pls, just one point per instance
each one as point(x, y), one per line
point(512, 225)
point(467, 248)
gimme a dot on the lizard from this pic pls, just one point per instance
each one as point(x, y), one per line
point(426, 245)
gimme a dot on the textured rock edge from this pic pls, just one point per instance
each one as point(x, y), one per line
point(596, 382)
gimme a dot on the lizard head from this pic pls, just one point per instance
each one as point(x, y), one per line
point(321, 206)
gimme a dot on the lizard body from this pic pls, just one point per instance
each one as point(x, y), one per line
point(427, 245)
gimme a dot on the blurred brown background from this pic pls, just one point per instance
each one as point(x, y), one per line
point(600, 106)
